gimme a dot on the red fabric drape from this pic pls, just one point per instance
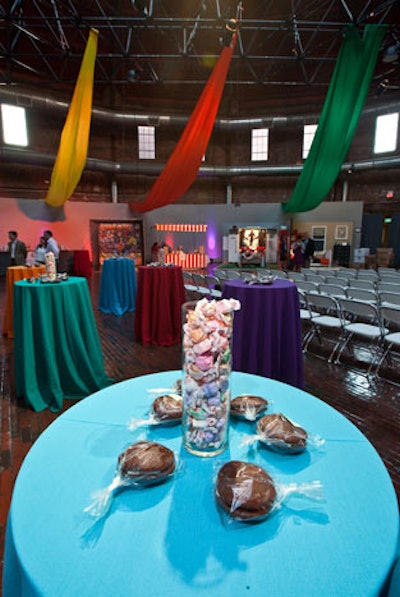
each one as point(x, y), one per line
point(182, 167)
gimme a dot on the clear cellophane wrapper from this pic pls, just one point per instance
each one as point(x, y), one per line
point(248, 409)
point(166, 409)
point(242, 495)
point(102, 498)
point(274, 438)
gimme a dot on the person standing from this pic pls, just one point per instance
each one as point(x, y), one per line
point(308, 250)
point(52, 245)
point(40, 252)
point(298, 255)
point(16, 249)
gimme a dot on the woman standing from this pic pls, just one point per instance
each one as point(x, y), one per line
point(40, 251)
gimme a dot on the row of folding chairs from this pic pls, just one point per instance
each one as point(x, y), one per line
point(346, 320)
point(198, 285)
point(387, 294)
point(347, 275)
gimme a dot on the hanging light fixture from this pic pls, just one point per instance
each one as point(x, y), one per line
point(391, 53)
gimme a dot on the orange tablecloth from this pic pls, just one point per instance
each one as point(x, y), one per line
point(14, 274)
point(159, 298)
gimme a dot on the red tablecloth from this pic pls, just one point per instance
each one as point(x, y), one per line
point(160, 296)
point(82, 265)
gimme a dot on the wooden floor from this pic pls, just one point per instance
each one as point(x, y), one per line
point(372, 405)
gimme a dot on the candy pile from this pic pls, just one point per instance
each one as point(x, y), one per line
point(51, 269)
point(207, 330)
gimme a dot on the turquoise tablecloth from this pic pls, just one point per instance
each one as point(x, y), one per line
point(117, 286)
point(57, 351)
point(169, 540)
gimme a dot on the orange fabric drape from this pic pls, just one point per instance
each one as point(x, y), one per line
point(182, 167)
point(72, 151)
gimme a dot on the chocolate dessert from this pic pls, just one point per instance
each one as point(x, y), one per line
point(282, 435)
point(146, 462)
point(244, 490)
point(248, 407)
point(167, 409)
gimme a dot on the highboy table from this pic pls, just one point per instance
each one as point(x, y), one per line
point(170, 539)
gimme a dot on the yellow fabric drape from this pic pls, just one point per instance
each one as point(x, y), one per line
point(72, 151)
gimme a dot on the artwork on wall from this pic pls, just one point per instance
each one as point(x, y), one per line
point(119, 239)
point(341, 233)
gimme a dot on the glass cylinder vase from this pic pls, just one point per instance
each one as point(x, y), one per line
point(207, 361)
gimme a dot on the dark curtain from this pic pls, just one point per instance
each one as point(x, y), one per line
point(181, 169)
point(342, 108)
point(394, 239)
point(371, 232)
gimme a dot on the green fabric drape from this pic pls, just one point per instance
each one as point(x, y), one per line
point(339, 117)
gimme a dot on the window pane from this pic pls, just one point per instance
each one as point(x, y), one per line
point(308, 138)
point(318, 233)
point(14, 125)
point(147, 142)
point(386, 133)
point(259, 144)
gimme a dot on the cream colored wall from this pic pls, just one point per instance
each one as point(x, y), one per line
point(331, 228)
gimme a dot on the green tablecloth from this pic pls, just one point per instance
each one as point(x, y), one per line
point(57, 352)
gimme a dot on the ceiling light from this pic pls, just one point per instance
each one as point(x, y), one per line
point(391, 53)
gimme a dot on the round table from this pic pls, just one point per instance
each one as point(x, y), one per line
point(57, 350)
point(14, 274)
point(267, 337)
point(171, 539)
point(160, 296)
point(117, 286)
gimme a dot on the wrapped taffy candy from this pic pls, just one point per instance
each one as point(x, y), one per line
point(140, 465)
point(51, 269)
point(207, 331)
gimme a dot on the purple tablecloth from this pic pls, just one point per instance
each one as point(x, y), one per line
point(267, 336)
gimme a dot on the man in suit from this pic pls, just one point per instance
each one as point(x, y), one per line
point(16, 249)
point(308, 249)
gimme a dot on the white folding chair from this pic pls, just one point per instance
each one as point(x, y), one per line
point(389, 299)
point(335, 290)
point(325, 315)
point(362, 294)
point(307, 286)
point(200, 281)
point(188, 282)
point(362, 320)
point(306, 314)
point(367, 274)
point(280, 273)
point(367, 284)
point(388, 286)
point(213, 286)
point(391, 339)
point(313, 277)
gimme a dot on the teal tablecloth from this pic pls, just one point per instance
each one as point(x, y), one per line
point(117, 286)
point(57, 352)
point(170, 540)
